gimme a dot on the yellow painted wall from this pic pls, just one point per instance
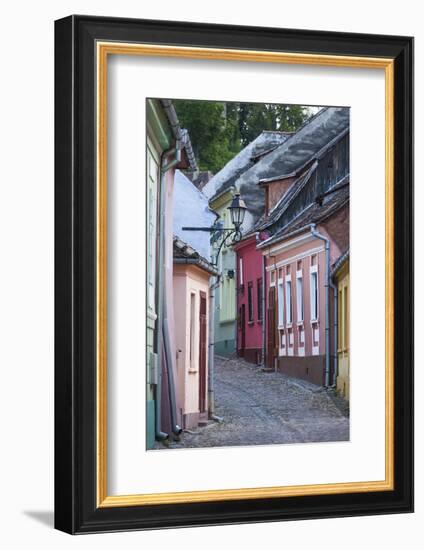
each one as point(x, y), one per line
point(225, 296)
point(343, 332)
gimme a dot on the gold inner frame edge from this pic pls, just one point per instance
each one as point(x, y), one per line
point(103, 49)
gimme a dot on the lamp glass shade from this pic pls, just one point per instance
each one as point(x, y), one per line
point(237, 210)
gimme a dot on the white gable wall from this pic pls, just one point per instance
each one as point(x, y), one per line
point(191, 209)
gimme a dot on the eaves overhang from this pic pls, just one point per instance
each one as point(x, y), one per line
point(219, 200)
point(274, 245)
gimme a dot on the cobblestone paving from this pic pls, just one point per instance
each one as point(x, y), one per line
point(260, 408)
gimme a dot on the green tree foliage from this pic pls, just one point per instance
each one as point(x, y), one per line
point(209, 132)
point(255, 117)
point(218, 130)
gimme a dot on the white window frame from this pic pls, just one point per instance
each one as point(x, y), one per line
point(299, 297)
point(280, 298)
point(241, 271)
point(282, 346)
point(152, 190)
point(289, 302)
point(314, 276)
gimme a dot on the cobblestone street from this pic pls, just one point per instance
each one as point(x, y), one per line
point(260, 408)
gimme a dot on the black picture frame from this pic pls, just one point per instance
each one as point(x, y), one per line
point(75, 275)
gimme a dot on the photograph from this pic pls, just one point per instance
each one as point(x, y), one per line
point(233, 321)
point(247, 271)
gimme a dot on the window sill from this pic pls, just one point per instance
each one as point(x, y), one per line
point(250, 323)
point(259, 321)
point(226, 321)
point(151, 314)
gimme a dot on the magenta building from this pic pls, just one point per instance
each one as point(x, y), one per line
point(250, 295)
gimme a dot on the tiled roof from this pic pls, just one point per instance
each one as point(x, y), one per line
point(183, 251)
point(290, 156)
point(266, 142)
point(307, 170)
point(316, 212)
point(286, 199)
point(341, 260)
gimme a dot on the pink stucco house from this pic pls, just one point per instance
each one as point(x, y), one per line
point(307, 216)
point(193, 273)
point(300, 328)
point(191, 280)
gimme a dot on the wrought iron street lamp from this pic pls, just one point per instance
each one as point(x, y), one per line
point(237, 210)
point(227, 235)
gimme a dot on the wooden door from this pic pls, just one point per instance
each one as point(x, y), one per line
point(203, 327)
point(271, 339)
point(242, 330)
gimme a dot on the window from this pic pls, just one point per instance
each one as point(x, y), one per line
point(259, 297)
point(343, 307)
point(250, 301)
point(192, 329)
point(340, 343)
point(240, 271)
point(227, 301)
point(314, 295)
point(280, 303)
point(272, 278)
point(289, 301)
point(346, 316)
point(299, 297)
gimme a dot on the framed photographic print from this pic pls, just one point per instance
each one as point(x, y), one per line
point(233, 266)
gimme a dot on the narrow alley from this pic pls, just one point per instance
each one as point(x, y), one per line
point(260, 408)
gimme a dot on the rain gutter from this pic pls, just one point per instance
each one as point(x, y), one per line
point(318, 235)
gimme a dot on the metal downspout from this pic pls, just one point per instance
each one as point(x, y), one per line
point(176, 429)
point(160, 435)
point(164, 167)
point(335, 313)
point(263, 304)
point(327, 302)
point(211, 351)
point(169, 361)
point(264, 316)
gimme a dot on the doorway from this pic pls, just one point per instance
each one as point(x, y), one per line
point(203, 325)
